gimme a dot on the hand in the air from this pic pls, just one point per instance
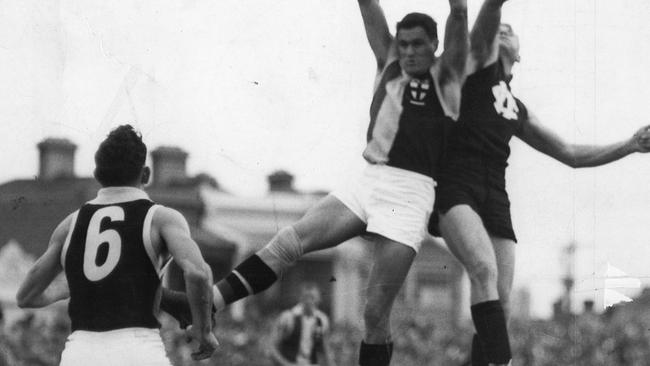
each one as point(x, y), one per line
point(641, 140)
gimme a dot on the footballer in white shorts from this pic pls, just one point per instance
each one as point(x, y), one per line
point(127, 346)
point(393, 202)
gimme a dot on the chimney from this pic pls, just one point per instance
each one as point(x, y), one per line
point(168, 165)
point(56, 158)
point(280, 181)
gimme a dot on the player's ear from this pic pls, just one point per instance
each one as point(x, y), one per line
point(146, 175)
point(435, 43)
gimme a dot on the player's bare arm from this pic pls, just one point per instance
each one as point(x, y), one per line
point(581, 156)
point(377, 30)
point(35, 291)
point(453, 59)
point(484, 48)
point(174, 234)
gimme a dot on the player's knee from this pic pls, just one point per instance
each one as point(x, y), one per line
point(483, 273)
point(373, 315)
point(505, 304)
point(309, 235)
point(286, 247)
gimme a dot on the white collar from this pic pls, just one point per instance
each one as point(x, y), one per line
point(299, 309)
point(110, 195)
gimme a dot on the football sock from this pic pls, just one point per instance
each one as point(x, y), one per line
point(254, 274)
point(478, 356)
point(248, 278)
point(490, 322)
point(375, 354)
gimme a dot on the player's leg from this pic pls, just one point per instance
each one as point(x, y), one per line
point(327, 224)
point(398, 213)
point(504, 249)
point(392, 262)
point(463, 230)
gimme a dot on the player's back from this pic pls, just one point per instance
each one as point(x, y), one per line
point(110, 263)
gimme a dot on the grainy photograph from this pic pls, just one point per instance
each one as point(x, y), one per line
point(324, 182)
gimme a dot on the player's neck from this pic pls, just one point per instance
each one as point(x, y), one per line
point(508, 64)
point(125, 188)
point(307, 311)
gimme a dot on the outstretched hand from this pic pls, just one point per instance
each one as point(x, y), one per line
point(641, 140)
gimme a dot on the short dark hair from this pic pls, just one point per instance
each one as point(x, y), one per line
point(120, 157)
point(412, 20)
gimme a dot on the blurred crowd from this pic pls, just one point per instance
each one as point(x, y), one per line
point(621, 336)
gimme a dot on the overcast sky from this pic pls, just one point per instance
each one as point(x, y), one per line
point(248, 87)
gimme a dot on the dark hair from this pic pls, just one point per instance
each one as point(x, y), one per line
point(412, 20)
point(120, 157)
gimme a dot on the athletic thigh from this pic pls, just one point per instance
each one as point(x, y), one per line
point(327, 224)
point(466, 237)
point(391, 263)
point(504, 250)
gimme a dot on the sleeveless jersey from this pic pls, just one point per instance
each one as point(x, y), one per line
point(110, 266)
point(490, 115)
point(408, 122)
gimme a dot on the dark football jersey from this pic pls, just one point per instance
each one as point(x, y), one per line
point(407, 122)
point(490, 115)
point(110, 266)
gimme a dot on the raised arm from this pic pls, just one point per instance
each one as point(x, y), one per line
point(452, 64)
point(35, 291)
point(377, 30)
point(581, 156)
point(483, 38)
point(454, 56)
point(175, 233)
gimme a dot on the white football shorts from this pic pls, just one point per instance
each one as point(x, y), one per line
point(394, 203)
point(124, 347)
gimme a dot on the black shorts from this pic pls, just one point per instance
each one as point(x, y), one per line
point(480, 187)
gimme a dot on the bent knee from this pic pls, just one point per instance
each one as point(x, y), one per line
point(374, 315)
point(483, 272)
point(309, 235)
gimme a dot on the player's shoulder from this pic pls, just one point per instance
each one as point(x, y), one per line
point(64, 227)
point(67, 223)
point(487, 73)
point(286, 318)
point(164, 214)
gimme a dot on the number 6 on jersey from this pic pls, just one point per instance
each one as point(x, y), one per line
point(94, 238)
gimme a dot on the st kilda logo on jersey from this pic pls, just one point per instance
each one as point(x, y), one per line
point(419, 90)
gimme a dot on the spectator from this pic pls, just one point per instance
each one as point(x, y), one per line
point(299, 337)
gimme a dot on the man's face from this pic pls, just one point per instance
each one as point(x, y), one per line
point(416, 50)
point(310, 299)
point(508, 42)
